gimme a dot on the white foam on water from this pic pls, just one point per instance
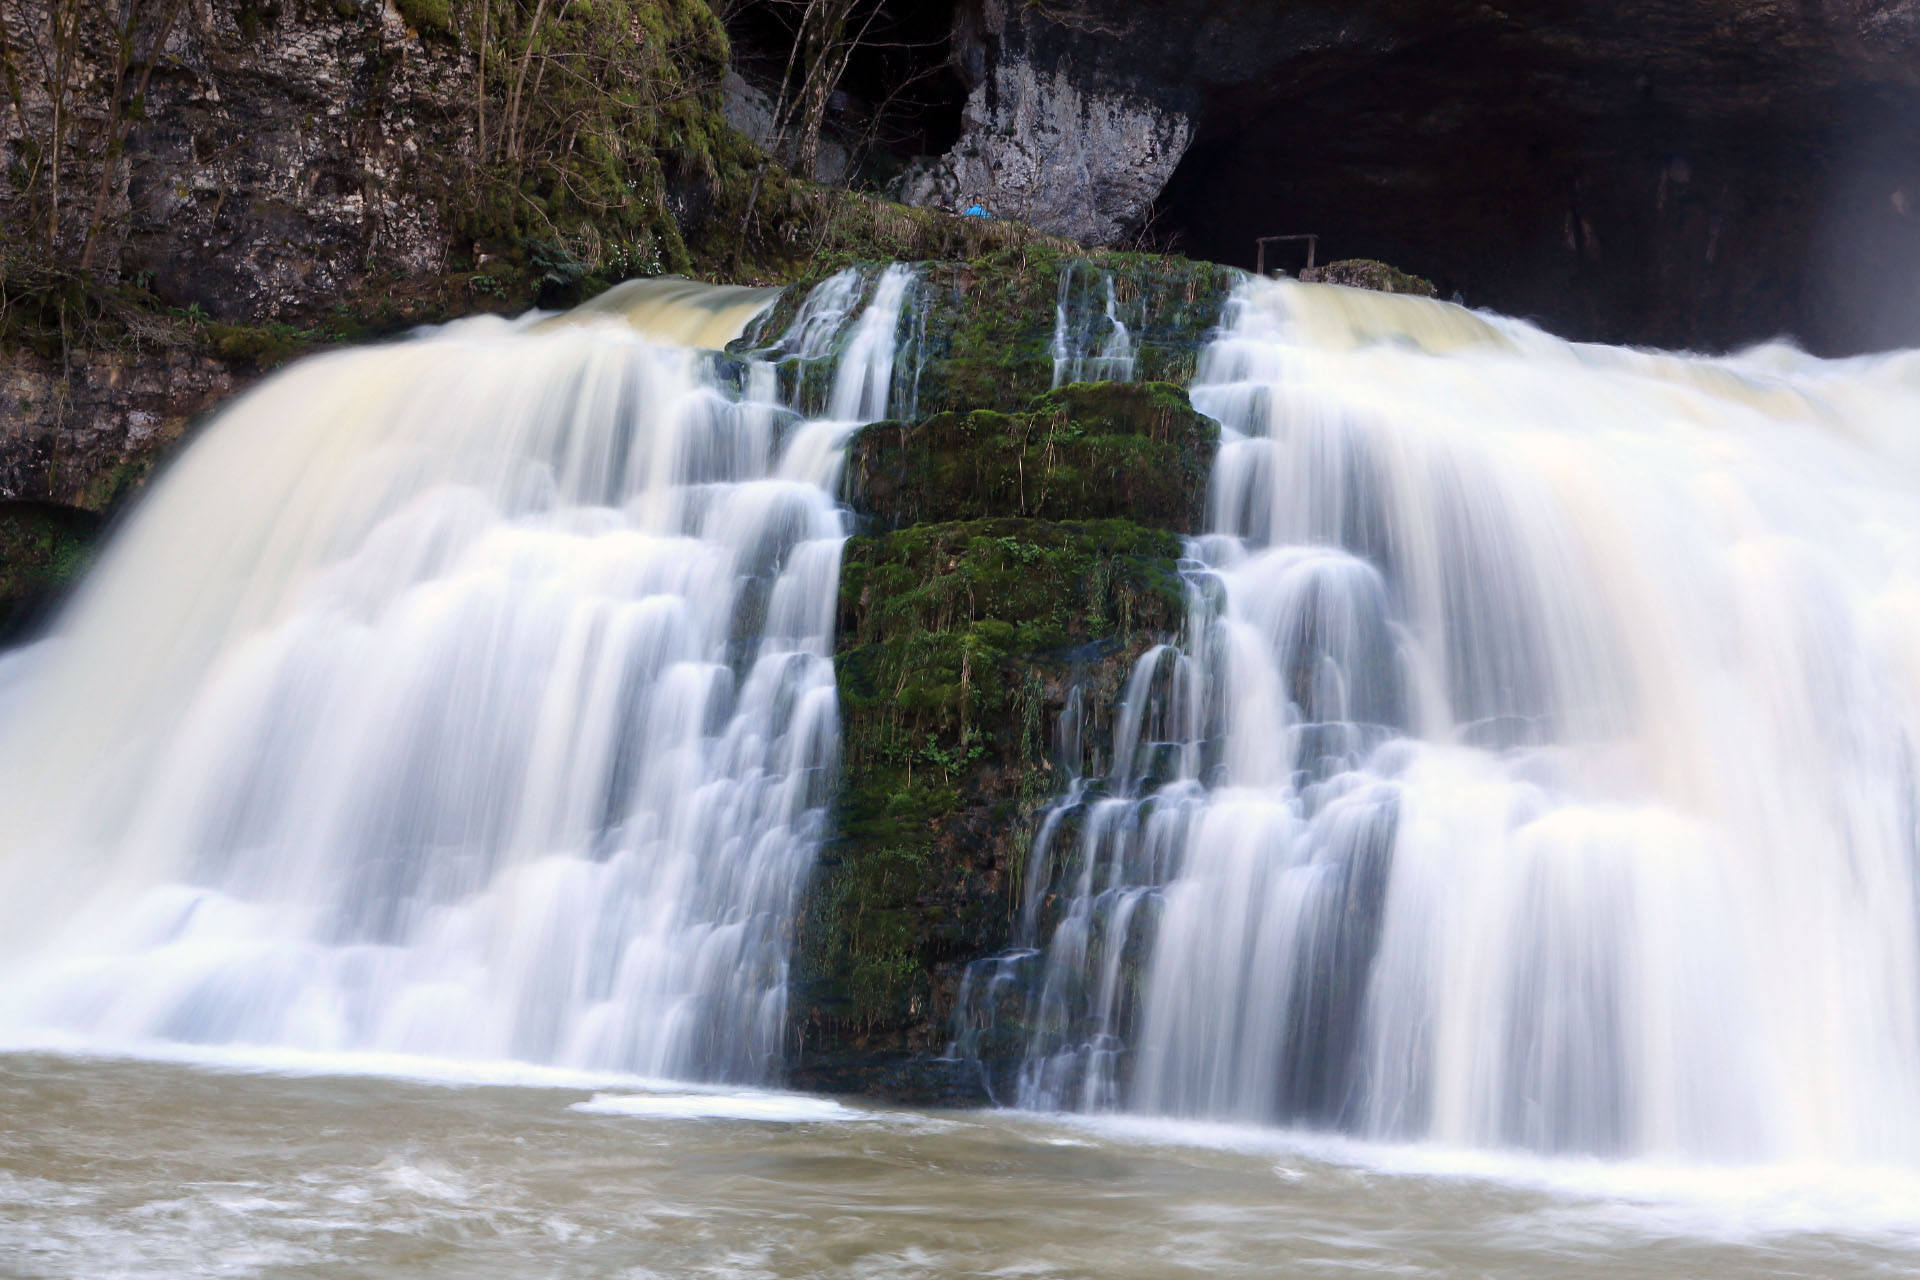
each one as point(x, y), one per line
point(296, 1063)
point(772, 1108)
point(1580, 1198)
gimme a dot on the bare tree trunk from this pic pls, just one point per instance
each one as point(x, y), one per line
point(118, 121)
point(825, 50)
point(520, 81)
point(65, 48)
point(480, 85)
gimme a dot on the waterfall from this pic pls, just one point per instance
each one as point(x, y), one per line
point(470, 696)
point(1536, 770)
point(1091, 343)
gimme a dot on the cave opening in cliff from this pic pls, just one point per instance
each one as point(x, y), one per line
point(1607, 205)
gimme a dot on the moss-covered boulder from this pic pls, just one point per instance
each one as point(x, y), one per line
point(1365, 273)
point(958, 645)
point(1023, 541)
point(990, 323)
point(985, 328)
point(1088, 451)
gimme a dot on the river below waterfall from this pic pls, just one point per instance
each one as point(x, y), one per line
point(285, 1167)
point(437, 759)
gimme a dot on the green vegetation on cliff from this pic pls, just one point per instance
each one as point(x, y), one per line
point(957, 645)
point(589, 118)
point(1086, 451)
point(989, 318)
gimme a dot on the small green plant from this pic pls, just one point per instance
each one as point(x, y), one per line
point(951, 760)
point(556, 264)
point(427, 15)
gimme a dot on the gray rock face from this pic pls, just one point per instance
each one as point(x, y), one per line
point(1081, 162)
point(282, 173)
point(284, 153)
point(83, 433)
point(748, 110)
point(753, 113)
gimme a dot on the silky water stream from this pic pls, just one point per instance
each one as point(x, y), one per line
point(468, 697)
point(1509, 872)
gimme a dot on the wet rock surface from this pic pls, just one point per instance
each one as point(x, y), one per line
point(959, 645)
point(1135, 451)
point(1010, 556)
point(86, 433)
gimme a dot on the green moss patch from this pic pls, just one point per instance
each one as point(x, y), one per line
point(427, 15)
point(986, 323)
point(958, 642)
point(1366, 273)
point(1090, 451)
point(593, 116)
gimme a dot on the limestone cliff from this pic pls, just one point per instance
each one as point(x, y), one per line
point(1681, 173)
point(197, 192)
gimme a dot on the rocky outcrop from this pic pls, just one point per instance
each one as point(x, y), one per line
point(753, 113)
point(1078, 159)
point(280, 156)
point(1365, 273)
point(84, 434)
point(1682, 173)
point(1016, 544)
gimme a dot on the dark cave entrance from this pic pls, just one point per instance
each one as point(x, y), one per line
point(1608, 207)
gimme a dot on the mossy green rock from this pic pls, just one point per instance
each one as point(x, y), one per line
point(1135, 451)
point(1366, 273)
point(1027, 544)
point(989, 330)
point(985, 325)
point(958, 644)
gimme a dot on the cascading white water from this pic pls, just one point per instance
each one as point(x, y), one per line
point(1091, 342)
point(468, 697)
point(1539, 765)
